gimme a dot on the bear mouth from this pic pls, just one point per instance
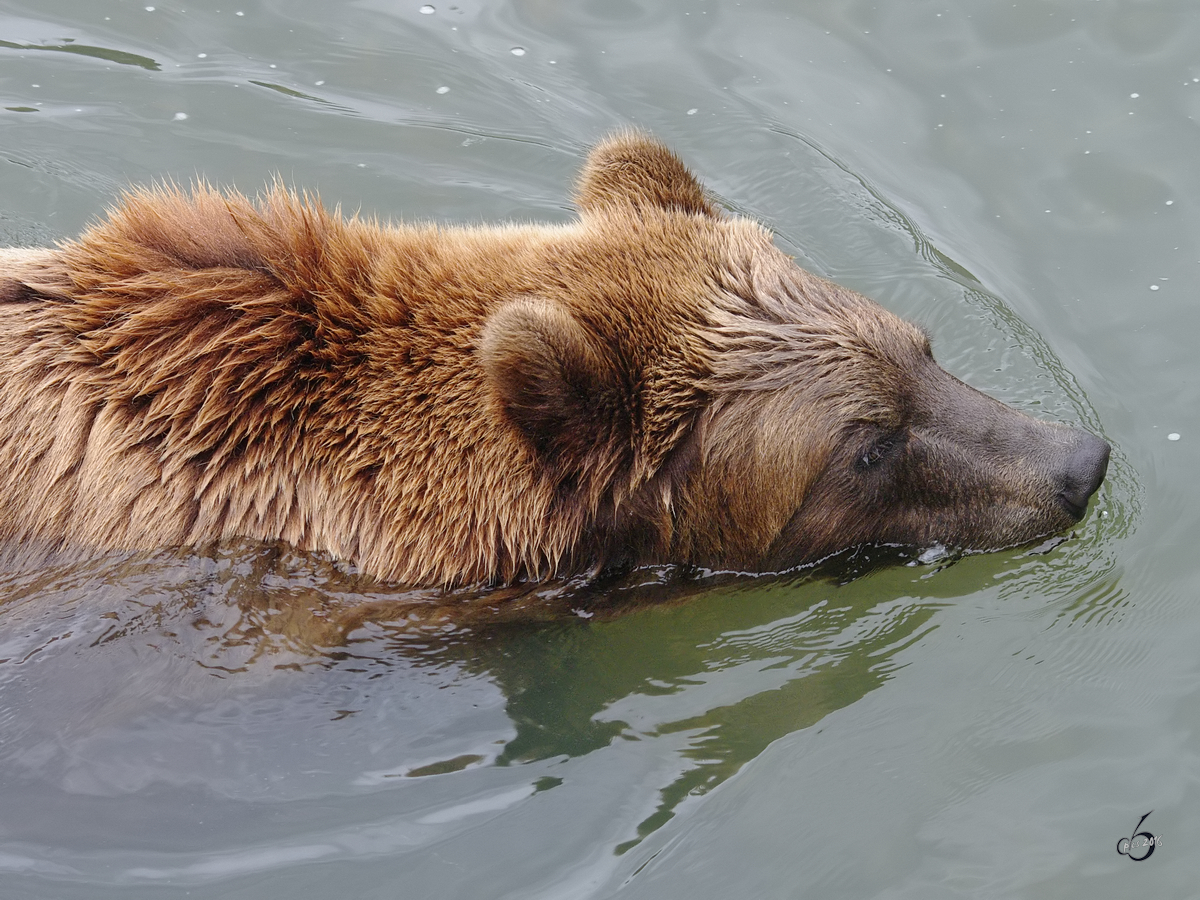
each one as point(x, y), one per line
point(1074, 508)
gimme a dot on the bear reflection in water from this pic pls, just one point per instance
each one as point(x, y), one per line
point(653, 383)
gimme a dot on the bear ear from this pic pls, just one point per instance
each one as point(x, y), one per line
point(632, 169)
point(554, 380)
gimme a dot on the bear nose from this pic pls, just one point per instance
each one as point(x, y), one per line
point(1082, 472)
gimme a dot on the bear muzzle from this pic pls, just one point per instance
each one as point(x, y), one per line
point(1083, 471)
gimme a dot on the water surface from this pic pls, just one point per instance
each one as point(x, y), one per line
point(1019, 178)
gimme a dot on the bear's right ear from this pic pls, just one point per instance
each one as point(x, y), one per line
point(554, 380)
point(631, 169)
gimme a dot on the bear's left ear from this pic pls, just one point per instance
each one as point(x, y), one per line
point(632, 169)
point(555, 381)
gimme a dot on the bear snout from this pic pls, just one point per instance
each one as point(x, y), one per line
point(1082, 472)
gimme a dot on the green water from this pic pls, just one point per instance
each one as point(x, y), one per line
point(1020, 178)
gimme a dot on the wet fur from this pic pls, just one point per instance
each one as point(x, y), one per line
point(654, 382)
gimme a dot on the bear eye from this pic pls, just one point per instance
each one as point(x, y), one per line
point(879, 450)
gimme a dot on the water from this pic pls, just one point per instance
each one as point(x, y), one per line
point(1020, 178)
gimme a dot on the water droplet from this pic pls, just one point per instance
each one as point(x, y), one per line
point(936, 553)
point(518, 51)
point(427, 10)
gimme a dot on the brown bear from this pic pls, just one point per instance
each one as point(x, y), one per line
point(653, 383)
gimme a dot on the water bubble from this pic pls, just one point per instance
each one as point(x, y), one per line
point(179, 117)
point(443, 90)
point(693, 111)
point(1154, 287)
point(427, 10)
point(201, 55)
point(1173, 436)
point(149, 9)
point(1133, 96)
point(936, 553)
point(518, 51)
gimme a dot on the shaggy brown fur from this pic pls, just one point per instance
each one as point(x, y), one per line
point(655, 382)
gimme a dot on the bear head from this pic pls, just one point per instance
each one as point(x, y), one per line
point(693, 396)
